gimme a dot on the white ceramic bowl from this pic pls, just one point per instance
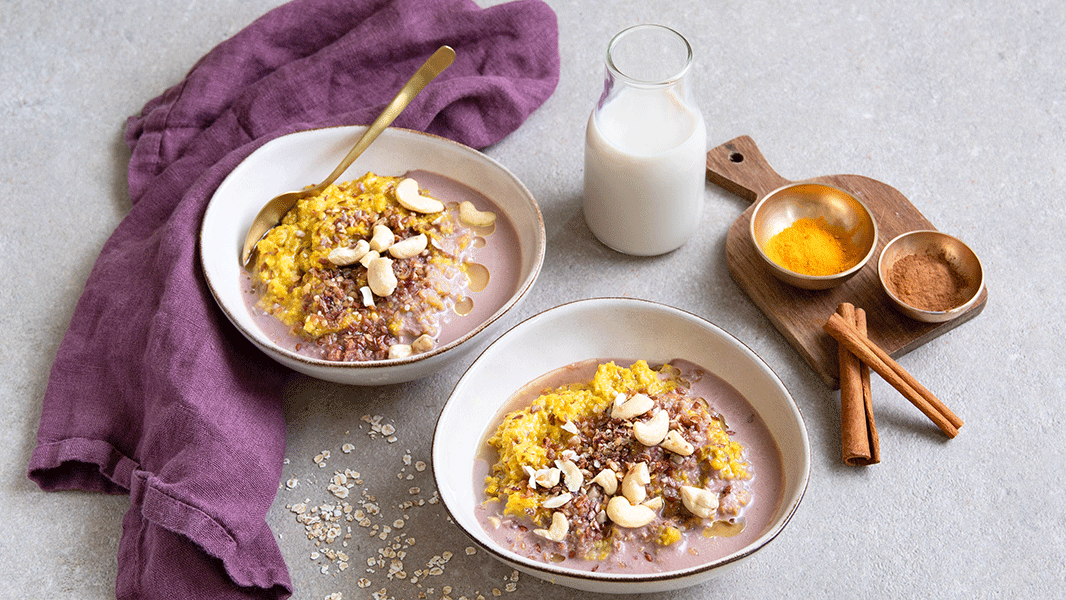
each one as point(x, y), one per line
point(294, 161)
point(600, 328)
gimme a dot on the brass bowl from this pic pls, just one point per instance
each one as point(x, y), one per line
point(958, 255)
point(784, 206)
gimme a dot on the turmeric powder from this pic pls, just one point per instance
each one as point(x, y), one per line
point(813, 247)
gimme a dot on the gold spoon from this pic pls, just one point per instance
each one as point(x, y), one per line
point(274, 210)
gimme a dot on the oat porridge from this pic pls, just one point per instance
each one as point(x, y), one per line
point(633, 469)
point(382, 267)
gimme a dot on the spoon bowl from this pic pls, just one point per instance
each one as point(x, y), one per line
point(272, 213)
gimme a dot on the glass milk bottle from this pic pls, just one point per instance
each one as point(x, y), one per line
point(645, 146)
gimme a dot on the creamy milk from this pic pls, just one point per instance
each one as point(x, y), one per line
point(644, 172)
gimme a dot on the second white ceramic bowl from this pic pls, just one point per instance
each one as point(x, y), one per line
point(596, 329)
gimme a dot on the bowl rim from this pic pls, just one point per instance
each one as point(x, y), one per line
point(802, 276)
point(931, 313)
point(565, 573)
point(266, 344)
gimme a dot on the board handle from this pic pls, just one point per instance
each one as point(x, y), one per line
point(739, 167)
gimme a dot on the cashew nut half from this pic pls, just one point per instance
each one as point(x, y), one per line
point(473, 217)
point(409, 197)
point(633, 483)
point(558, 529)
point(557, 501)
point(531, 473)
point(423, 343)
point(654, 430)
point(380, 277)
point(548, 477)
point(369, 257)
point(624, 514)
point(677, 444)
point(382, 238)
point(634, 406)
point(368, 296)
point(408, 247)
point(700, 502)
point(608, 480)
point(571, 474)
point(348, 255)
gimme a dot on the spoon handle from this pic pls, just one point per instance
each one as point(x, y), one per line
point(441, 59)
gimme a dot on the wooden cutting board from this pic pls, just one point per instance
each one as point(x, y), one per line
point(739, 167)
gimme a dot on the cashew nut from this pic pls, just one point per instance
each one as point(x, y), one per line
point(569, 427)
point(380, 277)
point(558, 529)
point(677, 444)
point(348, 255)
point(633, 483)
point(654, 430)
point(624, 514)
point(423, 343)
point(531, 473)
point(571, 474)
point(547, 478)
point(382, 238)
point(369, 257)
point(557, 501)
point(608, 480)
point(700, 502)
point(473, 217)
point(412, 246)
point(409, 197)
point(399, 351)
point(368, 296)
point(635, 406)
point(655, 503)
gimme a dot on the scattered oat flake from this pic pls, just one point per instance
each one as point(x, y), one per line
point(292, 483)
point(347, 448)
point(420, 466)
point(470, 550)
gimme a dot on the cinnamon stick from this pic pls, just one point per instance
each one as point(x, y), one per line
point(860, 444)
point(894, 374)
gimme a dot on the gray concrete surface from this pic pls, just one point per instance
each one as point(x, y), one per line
point(960, 106)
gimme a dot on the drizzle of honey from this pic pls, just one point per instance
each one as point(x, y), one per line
point(463, 306)
point(723, 529)
point(485, 231)
point(478, 275)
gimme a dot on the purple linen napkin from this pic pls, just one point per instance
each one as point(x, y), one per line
point(153, 393)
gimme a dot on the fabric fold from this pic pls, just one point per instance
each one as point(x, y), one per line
point(152, 392)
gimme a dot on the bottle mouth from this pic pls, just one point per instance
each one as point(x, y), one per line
point(649, 55)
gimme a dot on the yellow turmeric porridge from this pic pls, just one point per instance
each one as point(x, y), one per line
point(611, 468)
point(369, 269)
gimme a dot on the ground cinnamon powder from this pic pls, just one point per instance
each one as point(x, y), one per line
point(928, 281)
